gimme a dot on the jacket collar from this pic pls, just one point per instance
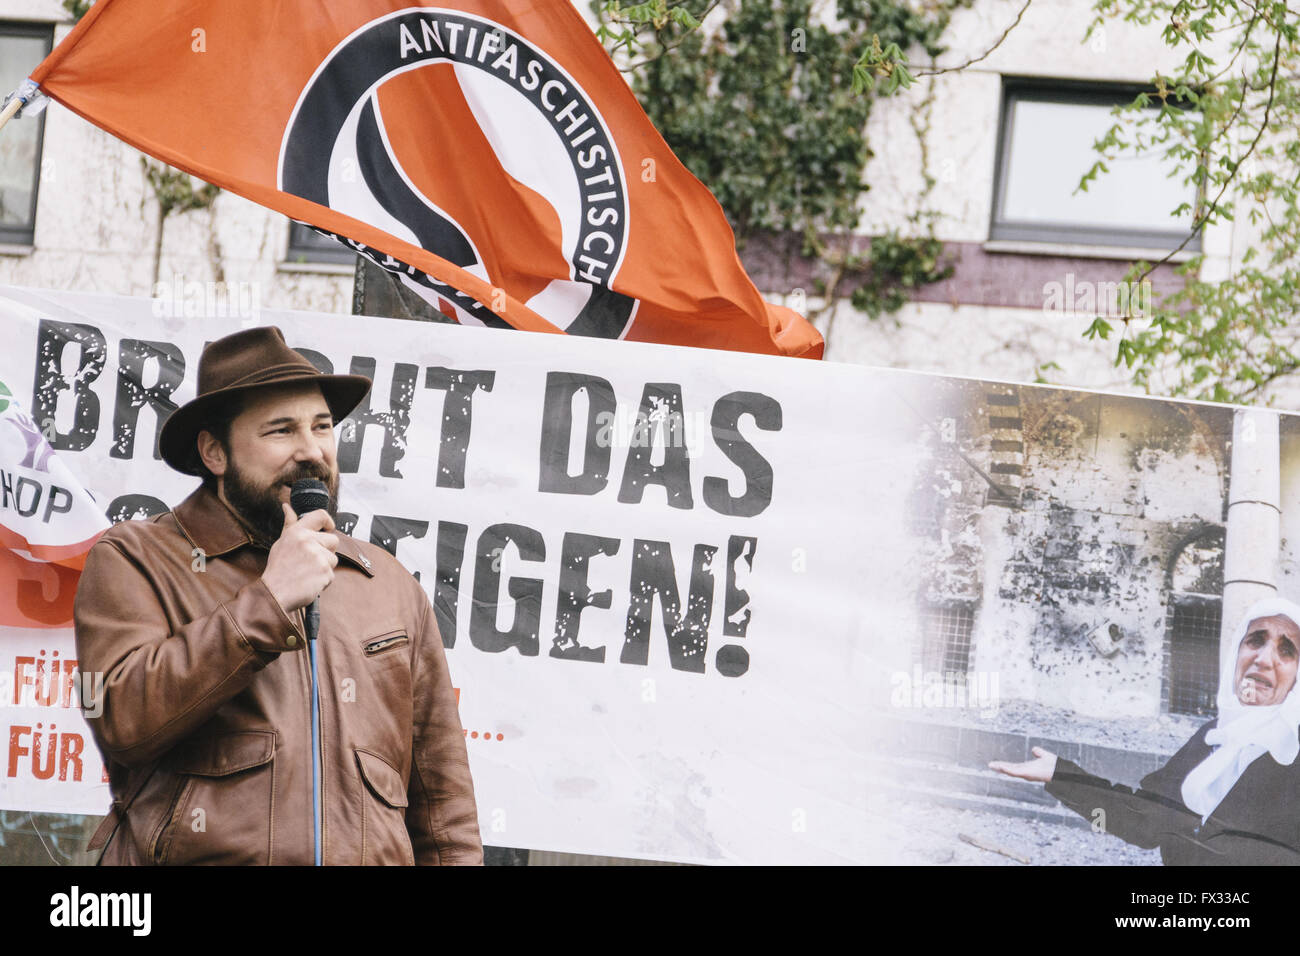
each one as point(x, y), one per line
point(210, 526)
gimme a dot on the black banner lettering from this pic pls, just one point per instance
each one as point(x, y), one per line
point(575, 553)
point(557, 430)
point(50, 383)
point(394, 422)
point(527, 592)
point(130, 507)
point(660, 415)
point(132, 354)
point(386, 531)
point(688, 632)
point(446, 590)
point(757, 470)
point(457, 417)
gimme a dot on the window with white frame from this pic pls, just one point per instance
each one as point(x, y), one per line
point(1046, 146)
point(22, 47)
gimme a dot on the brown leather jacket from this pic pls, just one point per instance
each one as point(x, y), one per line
point(206, 723)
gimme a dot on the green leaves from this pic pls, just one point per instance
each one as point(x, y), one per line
point(652, 25)
point(1127, 352)
point(1097, 168)
point(893, 265)
point(77, 8)
point(762, 110)
point(176, 190)
point(1229, 333)
point(1040, 377)
point(881, 69)
point(1100, 328)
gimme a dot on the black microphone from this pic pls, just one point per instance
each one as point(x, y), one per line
point(309, 494)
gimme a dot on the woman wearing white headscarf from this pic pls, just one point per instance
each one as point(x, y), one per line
point(1229, 796)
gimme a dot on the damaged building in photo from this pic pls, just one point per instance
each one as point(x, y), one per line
point(1078, 558)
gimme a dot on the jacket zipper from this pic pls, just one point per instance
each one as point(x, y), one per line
point(163, 839)
point(374, 647)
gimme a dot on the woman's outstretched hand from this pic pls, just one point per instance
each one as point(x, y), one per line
point(1040, 768)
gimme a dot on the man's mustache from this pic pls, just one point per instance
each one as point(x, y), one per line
point(313, 470)
point(307, 470)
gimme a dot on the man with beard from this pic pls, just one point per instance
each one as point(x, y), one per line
point(226, 737)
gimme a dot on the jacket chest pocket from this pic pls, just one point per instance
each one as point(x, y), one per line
point(388, 644)
point(379, 692)
point(224, 807)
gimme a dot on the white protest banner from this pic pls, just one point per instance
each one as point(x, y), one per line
point(711, 607)
point(646, 561)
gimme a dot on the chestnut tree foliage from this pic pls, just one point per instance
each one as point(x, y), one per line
point(1221, 337)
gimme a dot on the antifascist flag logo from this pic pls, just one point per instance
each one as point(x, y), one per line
point(548, 210)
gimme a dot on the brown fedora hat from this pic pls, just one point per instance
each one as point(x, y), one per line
point(237, 364)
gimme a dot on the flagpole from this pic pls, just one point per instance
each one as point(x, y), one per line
point(27, 92)
point(13, 107)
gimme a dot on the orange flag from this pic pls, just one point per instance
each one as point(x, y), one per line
point(488, 153)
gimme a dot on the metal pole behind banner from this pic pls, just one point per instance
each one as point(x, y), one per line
point(377, 292)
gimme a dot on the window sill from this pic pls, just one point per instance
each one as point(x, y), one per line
point(319, 268)
point(1084, 251)
point(15, 249)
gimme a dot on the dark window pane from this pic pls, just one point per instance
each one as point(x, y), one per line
point(945, 639)
point(1194, 659)
point(308, 245)
point(22, 47)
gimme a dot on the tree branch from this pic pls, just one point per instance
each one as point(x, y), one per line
point(1214, 205)
point(664, 48)
point(986, 54)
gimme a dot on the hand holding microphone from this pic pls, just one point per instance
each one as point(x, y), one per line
point(302, 561)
